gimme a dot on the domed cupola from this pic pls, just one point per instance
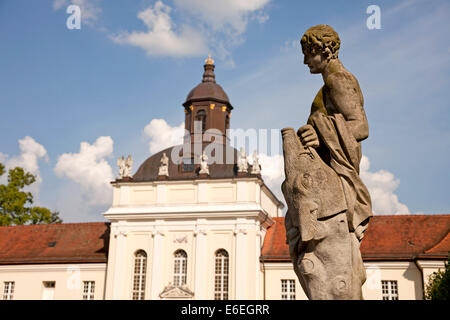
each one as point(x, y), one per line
point(208, 103)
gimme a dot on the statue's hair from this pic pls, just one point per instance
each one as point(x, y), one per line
point(322, 37)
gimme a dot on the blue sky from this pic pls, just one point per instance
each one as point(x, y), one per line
point(62, 87)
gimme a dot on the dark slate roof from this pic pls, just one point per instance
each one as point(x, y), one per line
point(388, 237)
point(148, 171)
point(208, 91)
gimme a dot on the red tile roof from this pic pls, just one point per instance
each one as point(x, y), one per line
point(399, 237)
point(72, 243)
point(442, 247)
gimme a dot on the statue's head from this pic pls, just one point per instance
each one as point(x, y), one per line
point(320, 45)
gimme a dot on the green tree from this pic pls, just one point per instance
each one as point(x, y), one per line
point(438, 287)
point(15, 204)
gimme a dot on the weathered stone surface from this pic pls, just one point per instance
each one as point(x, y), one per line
point(329, 207)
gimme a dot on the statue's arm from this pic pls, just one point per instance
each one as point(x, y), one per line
point(346, 96)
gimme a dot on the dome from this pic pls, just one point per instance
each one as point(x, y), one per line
point(208, 89)
point(149, 169)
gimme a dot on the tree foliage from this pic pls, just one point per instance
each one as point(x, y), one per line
point(16, 205)
point(438, 287)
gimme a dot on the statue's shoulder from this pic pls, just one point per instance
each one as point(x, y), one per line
point(341, 78)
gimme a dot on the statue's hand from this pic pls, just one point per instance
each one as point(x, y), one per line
point(359, 232)
point(308, 136)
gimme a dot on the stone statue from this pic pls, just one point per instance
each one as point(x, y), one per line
point(125, 166)
point(242, 161)
point(164, 167)
point(204, 164)
point(329, 207)
point(256, 167)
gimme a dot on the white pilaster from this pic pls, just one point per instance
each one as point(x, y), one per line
point(258, 193)
point(157, 264)
point(202, 194)
point(257, 255)
point(119, 276)
point(124, 195)
point(160, 193)
point(241, 265)
point(241, 191)
point(200, 266)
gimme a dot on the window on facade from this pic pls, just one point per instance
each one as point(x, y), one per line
point(180, 268)
point(88, 290)
point(221, 275)
point(140, 267)
point(288, 289)
point(8, 290)
point(48, 293)
point(188, 165)
point(201, 117)
point(389, 289)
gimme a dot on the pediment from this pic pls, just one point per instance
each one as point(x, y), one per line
point(176, 292)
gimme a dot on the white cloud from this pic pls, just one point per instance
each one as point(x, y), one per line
point(161, 39)
point(213, 27)
point(31, 151)
point(381, 185)
point(224, 22)
point(90, 9)
point(162, 135)
point(229, 16)
point(30, 154)
point(272, 171)
point(90, 170)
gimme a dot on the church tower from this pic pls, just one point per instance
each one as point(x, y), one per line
point(208, 104)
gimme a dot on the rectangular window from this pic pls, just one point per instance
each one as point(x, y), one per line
point(188, 165)
point(48, 292)
point(88, 290)
point(389, 289)
point(287, 289)
point(8, 290)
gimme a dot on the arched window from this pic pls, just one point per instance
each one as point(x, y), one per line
point(201, 116)
point(180, 268)
point(140, 267)
point(221, 275)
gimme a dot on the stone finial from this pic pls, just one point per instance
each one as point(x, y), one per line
point(256, 168)
point(204, 164)
point(242, 161)
point(164, 167)
point(125, 166)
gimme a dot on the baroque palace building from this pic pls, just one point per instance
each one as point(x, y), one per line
point(202, 229)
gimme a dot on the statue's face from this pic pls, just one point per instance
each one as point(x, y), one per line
point(315, 60)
